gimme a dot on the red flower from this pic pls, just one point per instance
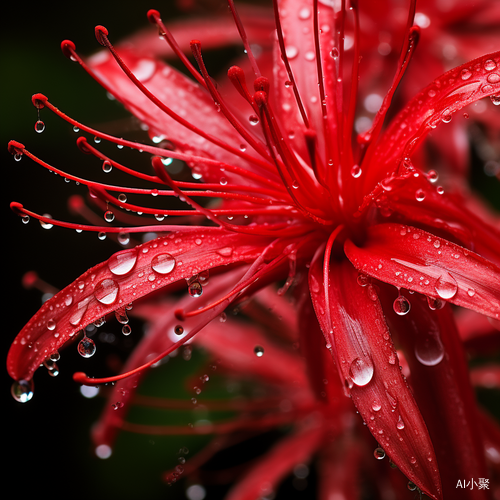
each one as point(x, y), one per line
point(300, 200)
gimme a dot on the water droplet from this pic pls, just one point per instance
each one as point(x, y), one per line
point(178, 329)
point(22, 390)
point(411, 486)
point(495, 99)
point(121, 316)
point(122, 263)
point(356, 171)
point(259, 351)
point(446, 118)
point(86, 347)
point(361, 371)
point(428, 348)
point(109, 216)
point(471, 292)
point(163, 263)
point(376, 406)
point(490, 65)
point(291, 52)
point(446, 286)
point(126, 330)
point(465, 74)
point(379, 453)
point(122, 198)
point(106, 291)
point(400, 424)
point(51, 324)
point(107, 167)
point(401, 305)
point(39, 126)
point(435, 303)
point(334, 52)
point(493, 78)
point(79, 311)
point(195, 289)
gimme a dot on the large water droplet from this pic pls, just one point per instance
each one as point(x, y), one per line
point(22, 390)
point(109, 216)
point(86, 347)
point(361, 371)
point(122, 263)
point(79, 311)
point(106, 291)
point(401, 305)
point(163, 263)
point(446, 286)
point(428, 348)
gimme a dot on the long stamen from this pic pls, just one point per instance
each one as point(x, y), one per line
point(250, 229)
point(244, 39)
point(249, 138)
point(68, 49)
point(281, 42)
point(154, 18)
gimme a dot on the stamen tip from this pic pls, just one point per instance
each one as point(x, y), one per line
point(153, 16)
point(82, 143)
point(39, 100)
point(68, 47)
point(15, 147)
point(101, 33)
point(179, 314)
point(29, 279)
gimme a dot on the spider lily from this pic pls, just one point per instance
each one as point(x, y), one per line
point(296, 196)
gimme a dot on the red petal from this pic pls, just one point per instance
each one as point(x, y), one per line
point(122, 279)
point(440, 383)
point(410, 258)
point(182, 95)
point(449, 93)
point(369, 366)
point(279, 462)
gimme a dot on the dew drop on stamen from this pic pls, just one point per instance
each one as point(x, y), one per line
point(22, 390)
point(39, 126)
point(86, 347)
point(379, 453)
point(109, 216)
point(107, 167)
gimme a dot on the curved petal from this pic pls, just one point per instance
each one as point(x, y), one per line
point(447, 94)
point(440, 383)
point(369, 366)
point(125, 277)
point(411, 258)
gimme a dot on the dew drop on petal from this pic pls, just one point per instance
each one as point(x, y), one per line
point(106, 291)
point(400, 424)
point(163, 263)
point(86, 347)
point(22, 390)
point(446, 286)
point(361, 371)
point(376, 406)
point(401, 305)
point(122, 263)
